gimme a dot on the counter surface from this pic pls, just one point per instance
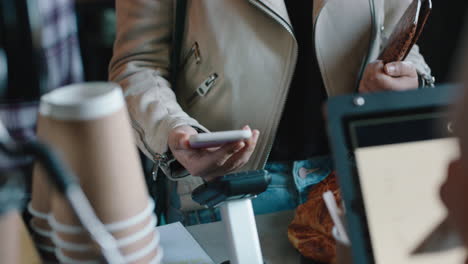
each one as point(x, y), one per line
point(272, 229)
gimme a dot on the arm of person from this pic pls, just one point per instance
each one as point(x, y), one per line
point(424, 71)
point(393, 11)
point(397, 76)
point(410, 74)
point(141, 64)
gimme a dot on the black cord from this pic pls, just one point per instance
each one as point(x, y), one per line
point(66, 183)
point(12, 194)
point(60, 175)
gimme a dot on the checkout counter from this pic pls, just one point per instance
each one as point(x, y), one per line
point(272, 232)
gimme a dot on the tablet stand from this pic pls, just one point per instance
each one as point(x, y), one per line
point(233, 194)
point(239, 222)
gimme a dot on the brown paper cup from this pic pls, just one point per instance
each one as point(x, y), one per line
point(89, 126)
point(153, 257)
point(41, 234)
point(131, 240)
point(41, 199)
point(41, 188)
point(87, 256)
point(141, 251)
point(139, 245)
point(84, 238)
point(76, 244)
point(41, 231)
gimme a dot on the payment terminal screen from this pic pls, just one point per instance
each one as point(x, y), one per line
point(401, 163)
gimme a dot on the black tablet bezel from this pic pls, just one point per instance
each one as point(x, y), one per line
point(343, 110)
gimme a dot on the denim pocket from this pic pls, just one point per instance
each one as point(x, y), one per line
point(310, 172)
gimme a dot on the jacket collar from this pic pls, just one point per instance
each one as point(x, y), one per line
point(318, 5)
point(279, 8)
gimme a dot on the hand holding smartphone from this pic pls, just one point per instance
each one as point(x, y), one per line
point(214, 139)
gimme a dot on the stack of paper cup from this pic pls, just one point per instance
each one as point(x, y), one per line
point(136, 237)
point(88, 125)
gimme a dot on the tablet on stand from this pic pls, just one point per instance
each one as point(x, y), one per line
point(391, 152)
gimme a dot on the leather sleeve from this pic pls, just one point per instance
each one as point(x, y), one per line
point(141, 64)
point(418, 60)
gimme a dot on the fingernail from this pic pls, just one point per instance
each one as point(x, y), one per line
point(240, 146)
point(247, 127)
point(391, 69)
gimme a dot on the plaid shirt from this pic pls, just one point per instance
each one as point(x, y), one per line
point(61, 54)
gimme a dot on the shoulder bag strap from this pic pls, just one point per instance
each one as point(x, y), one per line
point(177, 37)
point(159, 190)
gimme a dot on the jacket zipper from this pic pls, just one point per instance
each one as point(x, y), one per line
point(194, 51)
point(203, 88)
point(157, 158)
point(285, 25)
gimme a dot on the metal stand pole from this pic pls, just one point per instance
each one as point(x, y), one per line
point(239, 221)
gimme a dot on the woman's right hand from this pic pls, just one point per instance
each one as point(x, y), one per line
point(210, 163)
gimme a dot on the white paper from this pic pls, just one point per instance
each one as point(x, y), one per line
point(400, 185)
point(180, 247)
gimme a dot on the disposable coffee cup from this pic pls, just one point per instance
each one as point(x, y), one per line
point(82, 237)
point(128, 239)
point(90, 128)
point(41, 233)
point(144, 250)
point(343, 249)
point(88, 125)
point(120, 229)
point(140, 246)
point(154, 257)
point(40, 204)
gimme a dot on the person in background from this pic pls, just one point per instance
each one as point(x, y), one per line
point(55, 38)
point(40, 52)
point(269, 65)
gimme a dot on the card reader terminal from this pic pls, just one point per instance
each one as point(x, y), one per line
point(231, 187)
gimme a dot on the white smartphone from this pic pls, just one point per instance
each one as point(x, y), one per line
point(214, 139)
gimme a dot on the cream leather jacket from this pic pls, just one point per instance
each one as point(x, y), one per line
point(237, 61)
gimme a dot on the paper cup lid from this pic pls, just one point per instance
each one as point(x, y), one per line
point(84, 101)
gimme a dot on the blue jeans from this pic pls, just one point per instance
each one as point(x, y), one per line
point(291, 181)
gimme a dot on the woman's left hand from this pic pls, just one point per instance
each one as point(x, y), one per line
point(393, 76)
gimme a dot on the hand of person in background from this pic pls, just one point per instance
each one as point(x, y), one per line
point(394, 76)
point(454, 195)
point(210, 163)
